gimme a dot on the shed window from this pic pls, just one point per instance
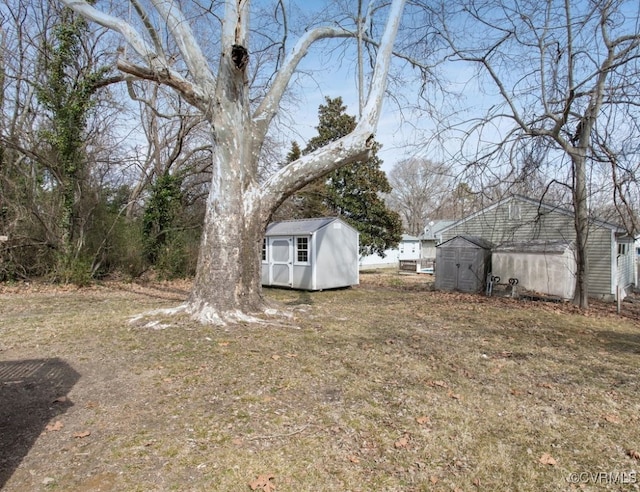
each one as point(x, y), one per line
point(514, 211)
point(302, 250)
point(264, 249)
point(622, 249)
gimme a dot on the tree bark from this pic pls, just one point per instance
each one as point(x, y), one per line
point(581, 222)
point(227, 286)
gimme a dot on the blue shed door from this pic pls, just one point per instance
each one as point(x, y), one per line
point(281, 261)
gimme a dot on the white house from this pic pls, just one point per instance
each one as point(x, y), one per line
point(408, 249)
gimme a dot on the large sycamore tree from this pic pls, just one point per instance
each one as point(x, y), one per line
point(164, 47)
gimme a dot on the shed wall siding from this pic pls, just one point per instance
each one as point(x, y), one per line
point(506, 223)
point(336, 257)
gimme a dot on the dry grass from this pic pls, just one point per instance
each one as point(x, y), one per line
point(388, 386)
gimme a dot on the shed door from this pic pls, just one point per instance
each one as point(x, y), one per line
point(468, 280)
point(458, 269)
point(281, 261)
point(448, 269)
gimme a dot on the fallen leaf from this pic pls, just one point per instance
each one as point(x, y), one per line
point(547, 459)
point(263, 482)
point(433, 479)
point(60, 399)
point(275, 357)
point(423, 420)
point(354, 459)
point(80, 435)
point(291, 356)
point(476, 482)
point(455, 396)
point(545, 385)
point(223, 344)
point(55, 427)
point(632, 453)
point(403, 442)
point(440, 384)
point(614, 419)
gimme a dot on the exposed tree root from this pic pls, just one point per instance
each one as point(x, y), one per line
point(209, 315)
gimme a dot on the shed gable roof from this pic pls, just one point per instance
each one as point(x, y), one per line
point(300, 226)
point(476, 241)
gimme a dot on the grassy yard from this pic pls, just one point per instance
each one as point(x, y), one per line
point(388, 386)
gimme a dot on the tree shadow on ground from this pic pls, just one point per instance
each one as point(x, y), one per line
point(620, 342)
point(32, 393)
point(304, 297)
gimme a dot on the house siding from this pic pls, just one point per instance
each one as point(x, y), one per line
point(516, 220)
point(626, 265)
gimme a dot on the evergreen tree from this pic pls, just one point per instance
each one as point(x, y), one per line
point(353, 191)
point(307, 202)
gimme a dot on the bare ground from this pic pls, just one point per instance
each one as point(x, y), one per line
point(386, 386)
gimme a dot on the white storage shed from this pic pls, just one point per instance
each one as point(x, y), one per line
point(310, 254)
point(545, 267)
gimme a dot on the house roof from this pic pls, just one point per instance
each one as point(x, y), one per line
point(432, 230)
point(300, 226)
point(541, 206)
point(408, 237)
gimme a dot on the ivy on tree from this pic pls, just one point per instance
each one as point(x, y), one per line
point(160, 215)
point(66, 92)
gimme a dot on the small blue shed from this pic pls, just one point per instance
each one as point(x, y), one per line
point(310, 254)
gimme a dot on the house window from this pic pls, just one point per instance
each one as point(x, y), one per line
point(622, 249)
point(264, 249)
point(302, 250)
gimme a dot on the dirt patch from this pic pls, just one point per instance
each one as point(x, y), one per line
point(385, 386)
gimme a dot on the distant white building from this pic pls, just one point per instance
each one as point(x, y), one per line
point(408, 249)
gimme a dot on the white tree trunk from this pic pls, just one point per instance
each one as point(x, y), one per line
point(228, 280)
